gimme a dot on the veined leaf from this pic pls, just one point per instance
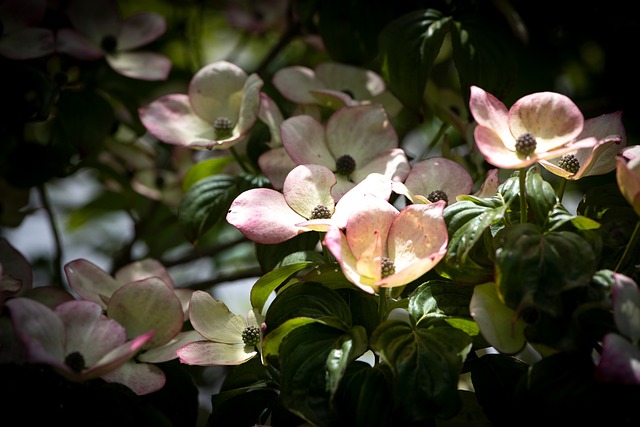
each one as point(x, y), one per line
point(427, 362)
point(533, 268)
point(409, 46)
point(206, 203)
point(262, 289)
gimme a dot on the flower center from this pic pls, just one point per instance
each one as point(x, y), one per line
point(525, 145)
point(75, 361)
point(320, 212)
point(388, 268)
point(223, 127)
point(569, 163)
point(437, 195)
point(345, 165)
point(251, 335)
point(109, 43)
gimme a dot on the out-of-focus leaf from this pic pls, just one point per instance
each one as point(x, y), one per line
point(408, 48)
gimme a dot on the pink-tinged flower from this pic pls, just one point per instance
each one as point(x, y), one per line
point(538, 126)
point(16, 276)
point(142, 298)
point(434, 179)
point(355, 142)
point(75, 338)
point(274, 163)
point(334, 85)
point(268, 216)
point(597, 160)
point(383, 247)
point(229, 339)
point(620, 357)
point(628, 175)
point(220, 109)
point(19, 37)
point(99, 31)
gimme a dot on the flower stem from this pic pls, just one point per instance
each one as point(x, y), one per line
point(523, 195)
point(382, 304)
point(239, 160)
point(563, 186)
point(635, 236)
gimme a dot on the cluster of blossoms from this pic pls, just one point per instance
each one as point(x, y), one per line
point(97, 31)
point(380, 215)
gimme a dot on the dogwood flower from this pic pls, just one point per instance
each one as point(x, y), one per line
point(434, 179)
point(538, 126)
point(355, 142)
point(628, 175)
point(19, 36)
point(142, 298)
point(268, 216)
point(334, 85)
point(597, 160)
point(220, 109)
point(229, 339)
point(620, 357)
point(75, 338)
point(383, 247)
point(99, 31)
point(274, 163)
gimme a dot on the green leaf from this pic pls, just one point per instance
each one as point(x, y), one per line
point(495, 377)
point(303, 361)
point(482, 53)
point(359, 22)
point(408, 47)
point(262, 289)
point(559, 216)
point(467, 258)
point(206, 203)
point(270, 256)
point(364, 387)
point(339, 358)
point(84, 128)
point(439, 298)
point(533, 267)
point(272, 341)
point(308, 299)
point(541, 197)
point(427, 362)
point(203, 169)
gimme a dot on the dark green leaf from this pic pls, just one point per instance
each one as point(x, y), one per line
point(84, 128)
point(408, 48)
point(308, 299)
point(541, 197)
point(303, 358)
point(262, 289)
point(467, 258)
point(495, 377)
point(270, 256)
point(362, 388)
point(533, 267)
point(482, 55)
point(427, 362)
point(440, 298)
point(206, 203)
